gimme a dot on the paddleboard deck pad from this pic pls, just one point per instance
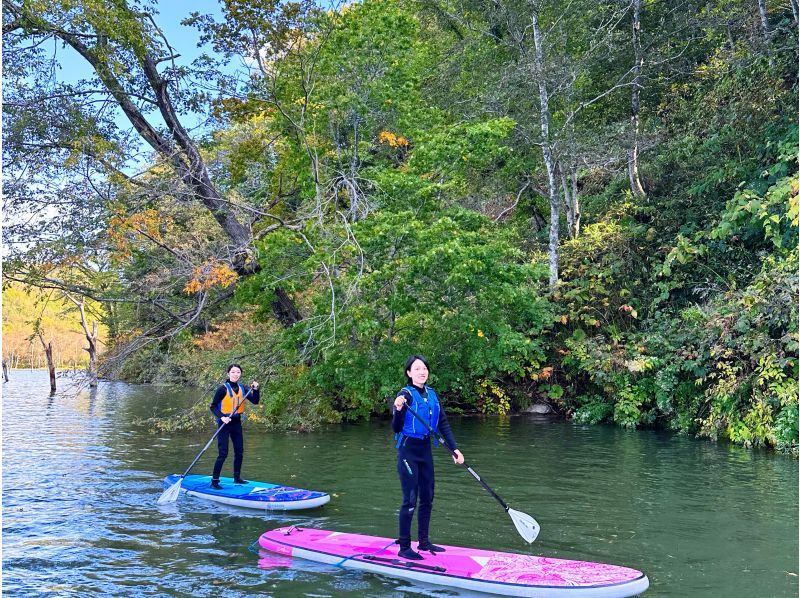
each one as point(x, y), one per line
point(471, 569)
point(253, 495)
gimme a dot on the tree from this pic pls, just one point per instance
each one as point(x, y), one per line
point(48, 352)
point(69, 153)
point(546, 59)
point(91, 338)
point(638, 57)
point(123, 46)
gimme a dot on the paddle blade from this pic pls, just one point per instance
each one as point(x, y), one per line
point(171, 494)
point(525, 524)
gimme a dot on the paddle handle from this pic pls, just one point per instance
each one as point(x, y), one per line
point(452, 452)
point(219, 429)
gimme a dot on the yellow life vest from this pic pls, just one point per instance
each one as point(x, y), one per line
point(231, 399)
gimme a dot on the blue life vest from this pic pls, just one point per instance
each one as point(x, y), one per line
point(428, 409)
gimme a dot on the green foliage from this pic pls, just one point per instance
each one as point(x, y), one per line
point(752, 346)
point(721, 366)
point(452, 287)
point(672, 311)
point(602, 273)
point(762, 214)
point(592, 409)
point(387, 157)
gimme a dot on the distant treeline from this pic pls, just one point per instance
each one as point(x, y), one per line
point(60, 324)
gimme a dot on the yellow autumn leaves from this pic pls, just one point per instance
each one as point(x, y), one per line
point(392, 140)
point(212, 273)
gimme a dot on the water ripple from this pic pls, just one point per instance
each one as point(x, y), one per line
point(80, 484)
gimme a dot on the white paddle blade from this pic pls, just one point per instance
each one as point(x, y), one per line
point(525, 524)
point(171, 494)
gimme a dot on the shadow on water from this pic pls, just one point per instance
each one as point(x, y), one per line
point(80, 484)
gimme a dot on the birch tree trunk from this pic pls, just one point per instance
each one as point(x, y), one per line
point(762, 13)
point(571, 206)
point(576, 206)
point(567, 199)
point(547, 152)
point(633, 151)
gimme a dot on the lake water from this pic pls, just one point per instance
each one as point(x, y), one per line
point(81, 480)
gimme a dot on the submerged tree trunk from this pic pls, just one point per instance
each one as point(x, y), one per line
point(51, 368)
point(547, 153)
point(633, 151)
point(91, 338)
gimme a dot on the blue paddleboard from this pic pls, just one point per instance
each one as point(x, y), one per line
point(253, 495)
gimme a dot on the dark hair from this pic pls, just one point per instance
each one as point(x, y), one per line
point(234, 365)
point(410, 361)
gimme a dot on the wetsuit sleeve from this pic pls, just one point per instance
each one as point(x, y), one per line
point(255, 396)
point(216, 402)
point(445, 431)
point(399, 416)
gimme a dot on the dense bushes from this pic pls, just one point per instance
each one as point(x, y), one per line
point(716, 354)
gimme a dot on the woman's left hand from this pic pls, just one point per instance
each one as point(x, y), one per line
point(254, 385)
point(458, 458)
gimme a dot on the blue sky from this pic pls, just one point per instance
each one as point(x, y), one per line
point(170, 14)
point(182, 38)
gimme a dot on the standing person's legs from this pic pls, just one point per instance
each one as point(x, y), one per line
point(222, 447)
point(237, 437)
point(406, 469)
point(426, 484)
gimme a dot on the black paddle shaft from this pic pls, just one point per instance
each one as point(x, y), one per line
point(219, 429)
point(452, 452)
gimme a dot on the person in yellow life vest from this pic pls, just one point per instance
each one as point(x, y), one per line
point(228, 406)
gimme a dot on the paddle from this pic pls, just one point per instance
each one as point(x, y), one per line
point(525, 524)
point(170, 495)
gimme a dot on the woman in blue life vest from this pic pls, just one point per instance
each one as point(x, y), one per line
point(414, 459)
point(228, 406)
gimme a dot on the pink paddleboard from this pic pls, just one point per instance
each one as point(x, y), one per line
point(472, 569)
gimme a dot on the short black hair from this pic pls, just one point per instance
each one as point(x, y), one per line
point(410, 361)
point(234, 365)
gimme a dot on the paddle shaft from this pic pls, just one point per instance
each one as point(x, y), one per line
point(219, 429)
point(452, 452)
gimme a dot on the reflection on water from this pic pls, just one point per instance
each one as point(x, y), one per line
point(80, 484)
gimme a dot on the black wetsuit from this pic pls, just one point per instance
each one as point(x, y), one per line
point(415, 468)
point(232, 430)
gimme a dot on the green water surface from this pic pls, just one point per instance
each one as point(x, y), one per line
point(81, 480)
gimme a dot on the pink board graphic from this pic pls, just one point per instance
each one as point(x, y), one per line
point(488, 571)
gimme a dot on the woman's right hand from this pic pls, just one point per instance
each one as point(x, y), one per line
point(226, 420)
point(399, 403)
